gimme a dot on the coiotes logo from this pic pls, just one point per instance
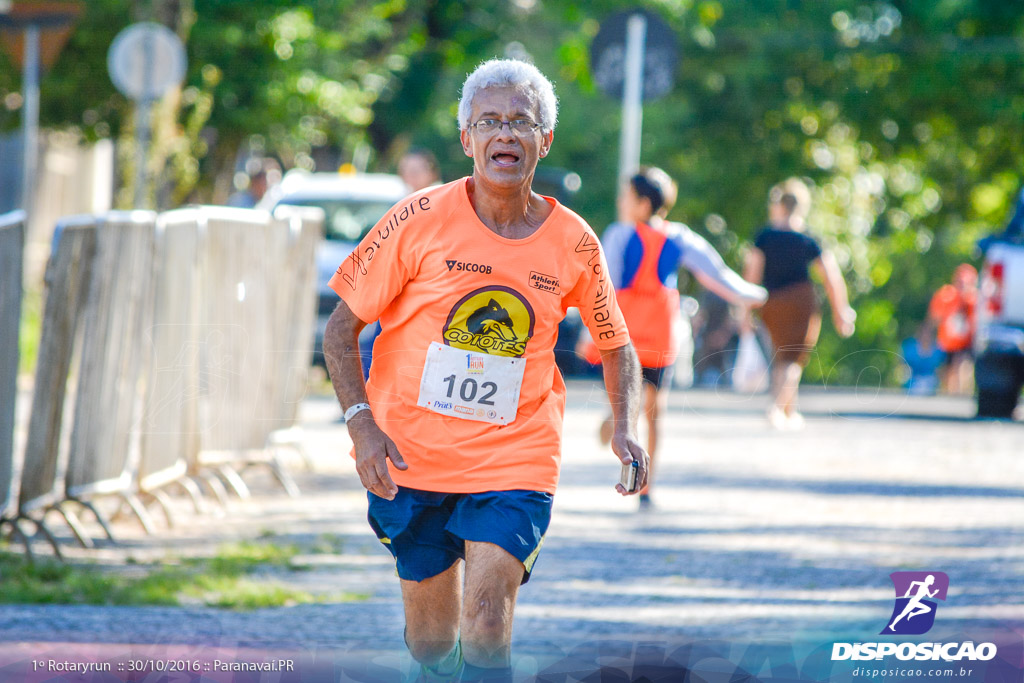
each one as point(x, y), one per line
point(495, 320)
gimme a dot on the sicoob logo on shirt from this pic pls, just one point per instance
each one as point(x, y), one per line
point(468, 267)
point(495, 320)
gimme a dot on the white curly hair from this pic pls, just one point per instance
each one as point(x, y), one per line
point(515, 73)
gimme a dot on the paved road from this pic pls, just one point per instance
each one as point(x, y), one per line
point(757, 535)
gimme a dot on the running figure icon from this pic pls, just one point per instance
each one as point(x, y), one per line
point(915, 607)
point(917, 595)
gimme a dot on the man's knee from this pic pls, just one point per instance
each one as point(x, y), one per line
point(430, 648)
point(486, 630)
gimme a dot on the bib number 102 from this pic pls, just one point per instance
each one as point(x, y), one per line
point(469, 389)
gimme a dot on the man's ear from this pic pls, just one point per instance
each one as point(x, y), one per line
point(467, 146)
point(545, 146)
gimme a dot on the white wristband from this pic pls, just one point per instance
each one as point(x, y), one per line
point(351, 412)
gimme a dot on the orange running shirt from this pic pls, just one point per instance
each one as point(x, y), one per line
point(431, 271)
point(953, 311)
point(650, 307)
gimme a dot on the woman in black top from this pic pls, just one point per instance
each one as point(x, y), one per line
point(780, 260)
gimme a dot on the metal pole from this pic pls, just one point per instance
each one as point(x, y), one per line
point(142, 116)
point(632, 91)
point(30, 119)
point(142, 127)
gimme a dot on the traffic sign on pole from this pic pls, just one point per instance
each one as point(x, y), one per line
point(55, 20)
point(145, 61)
point(634, 57)
point(608, 54)
point(34, 33)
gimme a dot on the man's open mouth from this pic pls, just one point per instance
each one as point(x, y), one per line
point(505, 158)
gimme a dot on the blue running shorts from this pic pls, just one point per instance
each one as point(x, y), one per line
point(427, 531)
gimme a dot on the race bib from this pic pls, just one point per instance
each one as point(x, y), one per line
point(471, 386)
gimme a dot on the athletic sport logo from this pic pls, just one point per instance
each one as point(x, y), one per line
point(545, 283)
point(495, 320)
point(916, 592)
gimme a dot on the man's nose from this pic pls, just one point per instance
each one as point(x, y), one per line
point(505, 131)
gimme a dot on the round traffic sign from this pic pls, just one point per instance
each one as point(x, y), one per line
point(145, 60)
point(608, 55)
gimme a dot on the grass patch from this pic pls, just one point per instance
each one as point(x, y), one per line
point(329, 544)
point(225, 580)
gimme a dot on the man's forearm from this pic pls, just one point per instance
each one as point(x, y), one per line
point(622, 381)
point(341, 354)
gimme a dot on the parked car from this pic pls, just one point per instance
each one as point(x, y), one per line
point(352, 204)
point(999, 336)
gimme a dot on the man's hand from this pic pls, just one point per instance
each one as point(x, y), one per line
point(622, 381)
point(626, 447)
point(373, 448)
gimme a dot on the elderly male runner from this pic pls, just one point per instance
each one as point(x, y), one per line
point(470, 280)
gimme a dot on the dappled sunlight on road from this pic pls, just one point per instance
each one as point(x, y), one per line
point(756, 529)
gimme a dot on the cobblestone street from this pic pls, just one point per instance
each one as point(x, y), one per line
point(756, 535)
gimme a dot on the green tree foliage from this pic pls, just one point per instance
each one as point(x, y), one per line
point(906, 116)
point(282, 77)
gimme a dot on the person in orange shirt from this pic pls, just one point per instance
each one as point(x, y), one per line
point(457, 432)
point(951, 314)
point(645, 252)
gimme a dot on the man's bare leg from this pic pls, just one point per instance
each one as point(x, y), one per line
point(492, 584)
point(432, 608)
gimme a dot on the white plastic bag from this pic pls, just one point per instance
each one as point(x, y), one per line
point(750, 373)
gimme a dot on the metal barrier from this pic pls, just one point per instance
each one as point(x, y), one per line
point(103, 450)
point(99, 300)
point(257, 284)
point(232, 340)
point(169, 428)
point(12, 244)
point(234, 315)
point(68, 276)
point(296, 313)
point(172, 347)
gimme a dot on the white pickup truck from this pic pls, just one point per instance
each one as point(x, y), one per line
point(999, 337)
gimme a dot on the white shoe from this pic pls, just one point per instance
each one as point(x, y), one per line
point(777, 419)
point(795, 422)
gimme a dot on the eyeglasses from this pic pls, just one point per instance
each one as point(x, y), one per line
point(518, 127)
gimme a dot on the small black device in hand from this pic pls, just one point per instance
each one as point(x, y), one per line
point(628, 478)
